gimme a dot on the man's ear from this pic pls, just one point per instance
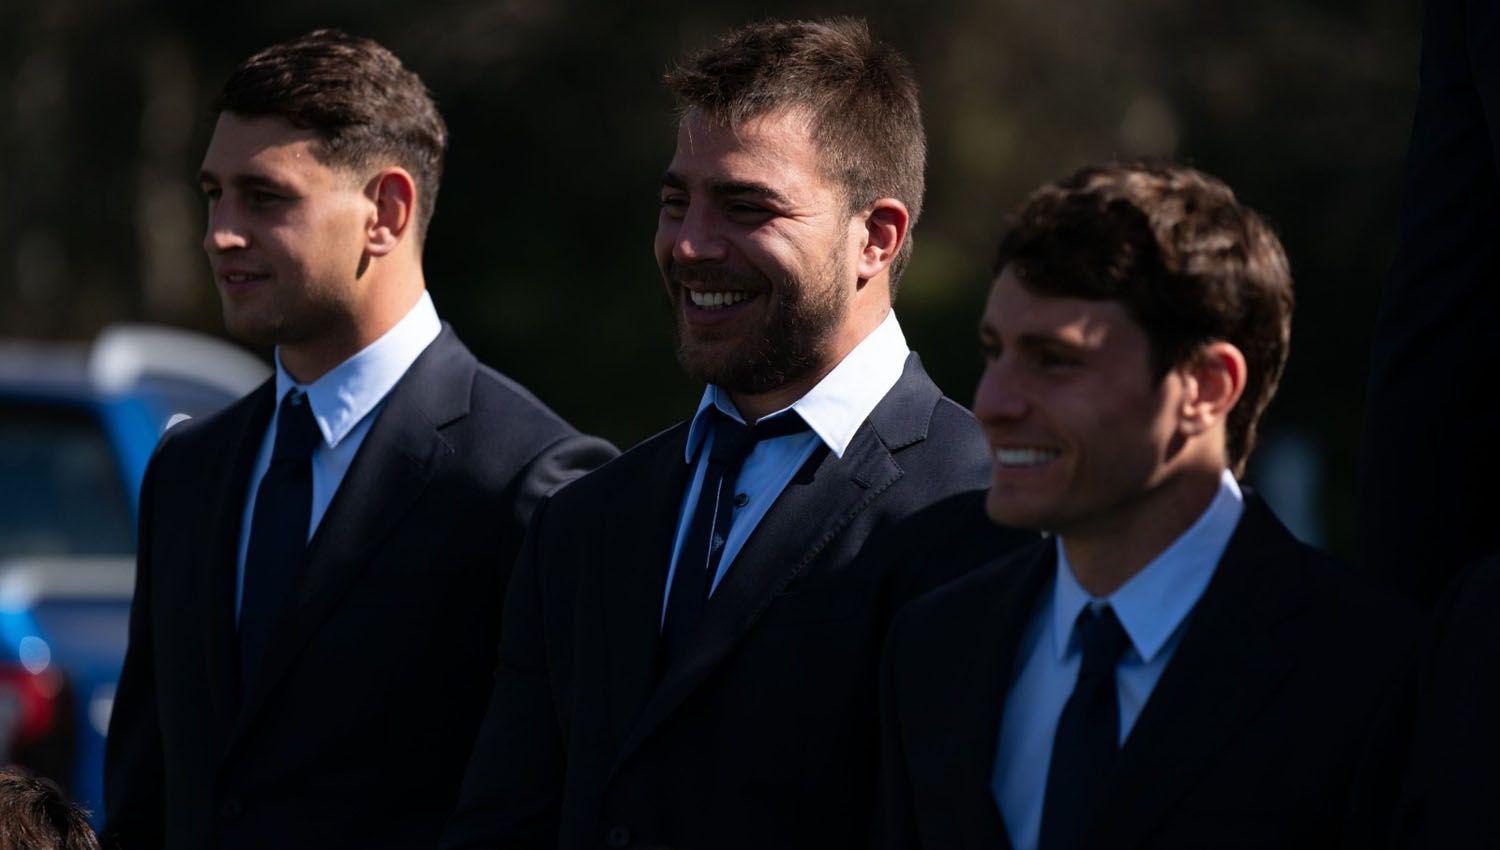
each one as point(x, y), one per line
point(1213, 380)
point(883, 232)
point(394, 194)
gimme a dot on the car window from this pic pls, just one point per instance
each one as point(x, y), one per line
point(61, 491)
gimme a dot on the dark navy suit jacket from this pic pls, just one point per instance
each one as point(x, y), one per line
point(357, 729)
point(764, 733)
point(1276, 723)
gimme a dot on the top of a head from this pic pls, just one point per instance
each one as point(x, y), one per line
point(368, 108)
point(859, 94)
point(1186, 259)
point(35, 813)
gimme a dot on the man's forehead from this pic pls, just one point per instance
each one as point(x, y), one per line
point(773, 152)
point(258, 140)
point(781, 137)
point(1015, 309)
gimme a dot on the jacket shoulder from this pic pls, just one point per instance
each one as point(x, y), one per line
point(971, 600)
point(192, 439)
point(498, 396)
point(621, 476)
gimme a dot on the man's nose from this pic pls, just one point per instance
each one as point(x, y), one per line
point(698, 238)
point(998, 398)
point(224, 232)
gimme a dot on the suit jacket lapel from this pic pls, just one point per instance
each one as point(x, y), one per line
point(984, 669)
point(398, 457)
point(217, 563)
point(1226, 668)
point(833, 489)
point(633, 587)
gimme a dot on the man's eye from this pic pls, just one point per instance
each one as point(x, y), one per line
point(1051, 360)
point(262, 198)
point(212, 192)
point(743, 210)
point(989, 351)
point(673, 204)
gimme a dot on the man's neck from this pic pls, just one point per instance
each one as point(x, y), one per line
point(308, 360)
point(1108, 551)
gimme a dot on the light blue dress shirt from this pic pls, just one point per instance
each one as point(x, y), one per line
point(344, 404)
point(833, 410)
point(1151, 607)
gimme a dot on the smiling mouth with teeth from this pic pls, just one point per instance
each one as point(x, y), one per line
point(718, 300)
point(1016, 457)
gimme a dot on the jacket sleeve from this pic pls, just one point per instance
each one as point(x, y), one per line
point(895, 825)
point(511, 794)
point(133, 774)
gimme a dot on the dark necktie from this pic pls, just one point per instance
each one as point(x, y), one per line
point(703, 545)
point(278, 529)
point(1088, 734)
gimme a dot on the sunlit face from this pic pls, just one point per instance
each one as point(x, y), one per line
point(755, 252)
point(286, 233)
point(1080, 430)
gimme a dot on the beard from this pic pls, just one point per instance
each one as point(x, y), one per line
point(793, 337)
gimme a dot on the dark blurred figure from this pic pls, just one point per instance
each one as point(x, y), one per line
point(1172, 669)
point(34, 815)
point(1431, 456)
point(693, 632)
point(1454, 783)
point(322, 565)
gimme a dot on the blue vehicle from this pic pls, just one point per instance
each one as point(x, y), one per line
point(77, 427)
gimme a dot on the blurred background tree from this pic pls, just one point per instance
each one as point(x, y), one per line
point(540, 251)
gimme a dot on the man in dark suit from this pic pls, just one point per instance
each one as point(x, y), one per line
point(1171, 669)
point(1429, 453)
point(692, 635)
point(322, 565)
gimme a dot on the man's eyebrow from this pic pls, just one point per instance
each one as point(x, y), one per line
point(729, 188)
point(744, 188)
point(245, 181)
point(1037, 340)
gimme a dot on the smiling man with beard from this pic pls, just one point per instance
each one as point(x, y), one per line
point(693, 632)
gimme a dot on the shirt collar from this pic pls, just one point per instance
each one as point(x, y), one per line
point(841, 402)
point(1155, 601)
point(347, 394)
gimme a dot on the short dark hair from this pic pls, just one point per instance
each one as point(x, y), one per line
point(34, 814)
point(355, 94)
point(1188, 262)
point(861, 96)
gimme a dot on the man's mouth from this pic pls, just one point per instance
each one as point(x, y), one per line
point(240, 277)
point(1024, 457)
point(718, 299)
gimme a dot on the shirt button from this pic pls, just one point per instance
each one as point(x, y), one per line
point(231, 809)
point(741, 499)
point(618, 836)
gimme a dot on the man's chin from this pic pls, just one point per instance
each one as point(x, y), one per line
point(253, 329)
point(1009, 512)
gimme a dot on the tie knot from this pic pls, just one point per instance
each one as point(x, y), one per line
point(733, 441)
point(1104, 640)
point(297, 431)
